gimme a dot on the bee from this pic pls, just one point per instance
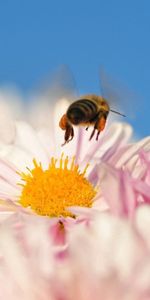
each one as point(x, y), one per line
point(86, 111)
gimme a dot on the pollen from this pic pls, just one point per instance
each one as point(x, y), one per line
point(50, 192)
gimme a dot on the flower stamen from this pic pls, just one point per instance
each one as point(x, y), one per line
point(49, 192)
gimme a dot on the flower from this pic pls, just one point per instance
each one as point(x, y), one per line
point(35, 173)
point(50, 191)
point(105, 252)
point(108, 259)
point(126, 175)
point(117, 171)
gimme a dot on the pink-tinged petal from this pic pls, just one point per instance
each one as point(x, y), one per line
point(79, 145)
point(143, 189)
point(106, 235)
point(6, 188)
point(19, 157)
point(20, 275)
point(125, 156)
point(46, 140)
point(120, 142)
point(144, 164)
point(99, 202)
point(83, 212)
point(5, 195)
point(93, 176)
point(117, 190)
point(57, 231)
point(8, 205)
point(27, 139)
point(38, 253)
point(12, 255)
point(8, 173)
point(142, 221)
point(110, 140)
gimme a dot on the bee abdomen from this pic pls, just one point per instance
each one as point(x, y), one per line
point(81, 111)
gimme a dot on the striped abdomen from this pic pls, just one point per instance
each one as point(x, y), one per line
point(82, 111)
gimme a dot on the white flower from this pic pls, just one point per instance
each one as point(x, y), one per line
point(105, 252)
point(107, 259)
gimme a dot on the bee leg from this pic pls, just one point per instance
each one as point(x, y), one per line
point(92, 134)
point(100, 125)
point(97, 135)
point(69, 134)
point(64, 143)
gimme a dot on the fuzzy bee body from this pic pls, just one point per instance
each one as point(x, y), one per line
point(88, 110)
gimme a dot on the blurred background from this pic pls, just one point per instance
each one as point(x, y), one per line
point(37, 36)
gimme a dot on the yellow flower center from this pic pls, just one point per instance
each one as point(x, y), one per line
point(49, 192)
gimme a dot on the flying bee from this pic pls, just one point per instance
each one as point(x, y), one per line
point(86, 111)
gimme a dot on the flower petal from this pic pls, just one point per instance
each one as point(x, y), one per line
point(124, 156)
point(114, 137)
point(117, 189)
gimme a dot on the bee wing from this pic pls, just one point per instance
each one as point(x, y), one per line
point(60, 84)
point(119, 97)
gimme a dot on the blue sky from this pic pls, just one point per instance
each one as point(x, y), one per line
point(38, 36)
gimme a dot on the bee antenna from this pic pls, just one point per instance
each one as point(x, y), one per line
point(116, 112)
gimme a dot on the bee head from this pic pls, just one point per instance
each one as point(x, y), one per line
point(75, 115)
